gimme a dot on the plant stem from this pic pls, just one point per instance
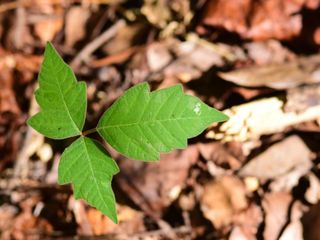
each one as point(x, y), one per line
point(87, 132)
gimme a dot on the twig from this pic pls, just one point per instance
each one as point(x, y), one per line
point(85, 53)
point(116, 58)
point(27, 3)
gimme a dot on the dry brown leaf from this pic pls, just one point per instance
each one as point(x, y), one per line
point(258, 20)
point(294, 229)
point(145, 184)
point(276, 207)
point(247, 224)
point(194, 57)
point(47, 29)
point(125, 38)
point(219, 154)
point(303, 70)
point(130, 221)
point(312, 194)
point(268, 52)
point(223, 198)
point(279, 160)
point(75, 22)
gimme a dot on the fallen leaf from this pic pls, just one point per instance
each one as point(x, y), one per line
point(278, 161)
point(313, 192)
point(276, 207)
point(251, 120)
point(223, 198)
point(76, 19)
point(246, 223)
point(145, 184)
point(270, 19)
point(303, 70)
point(46, 29)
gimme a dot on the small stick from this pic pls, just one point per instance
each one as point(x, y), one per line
point(85, 53)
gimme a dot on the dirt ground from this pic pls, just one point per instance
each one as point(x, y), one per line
point(255, 176)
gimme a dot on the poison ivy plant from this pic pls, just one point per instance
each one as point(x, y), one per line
point(140, 125)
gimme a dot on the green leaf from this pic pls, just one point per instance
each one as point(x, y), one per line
point(62, 100)
point(90, 168)
point(141, 124)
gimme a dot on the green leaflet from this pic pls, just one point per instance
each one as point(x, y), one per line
point(90, 168)
point(62, 100)
point(141, 124)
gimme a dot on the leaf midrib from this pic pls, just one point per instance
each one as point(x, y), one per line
point(92, 173)
point(65, 105)
point(149, 122)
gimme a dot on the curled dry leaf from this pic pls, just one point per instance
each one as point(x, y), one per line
point(303, 70)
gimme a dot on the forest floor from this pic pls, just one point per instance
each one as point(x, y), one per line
point(255, 176)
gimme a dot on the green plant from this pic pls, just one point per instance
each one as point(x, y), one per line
point(140, 125)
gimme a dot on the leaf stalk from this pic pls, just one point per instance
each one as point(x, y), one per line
point(87, 132)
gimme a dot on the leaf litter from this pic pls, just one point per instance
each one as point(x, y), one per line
point(253, 177)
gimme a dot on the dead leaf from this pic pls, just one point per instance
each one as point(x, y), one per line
point(76, 19)
point(247, 223)
point(145, 184)
point(276, 207)
point(130, 221)
point(268, 19)
point(294, 230)
point(268, 52)
point(261, 117)
point(223, 198)
point(219, 154)
point(124, 39)
point(278, 161)
point(303, 70)
point(312, 194)
point(46, 29)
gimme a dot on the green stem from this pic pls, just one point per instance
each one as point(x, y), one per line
point(87, 132)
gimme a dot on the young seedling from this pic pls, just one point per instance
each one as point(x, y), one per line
point(140, 125)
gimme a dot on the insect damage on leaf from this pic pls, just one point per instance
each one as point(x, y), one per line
point(140, 124)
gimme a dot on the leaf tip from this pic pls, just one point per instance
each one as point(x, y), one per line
point(224, 117)
point(114, 218)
